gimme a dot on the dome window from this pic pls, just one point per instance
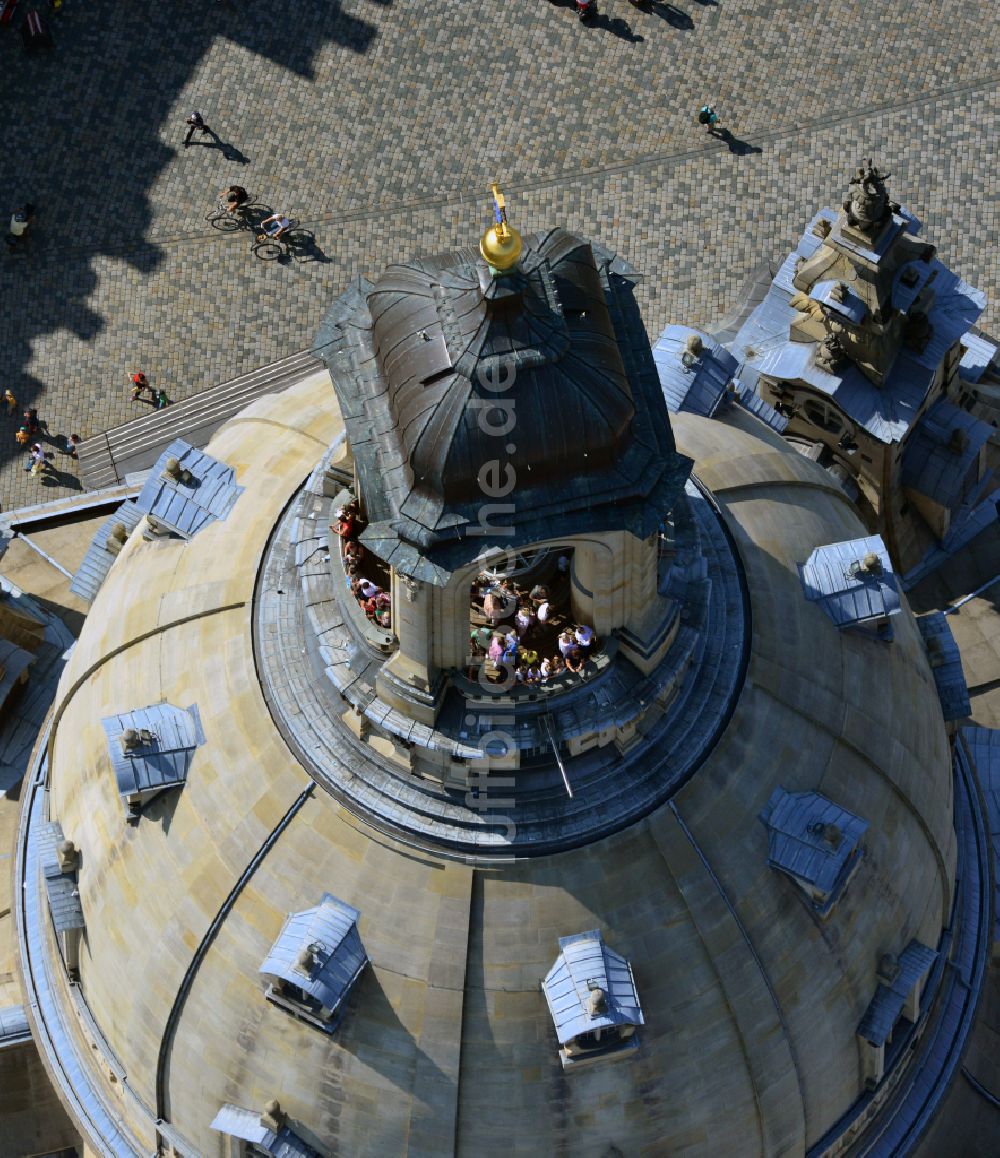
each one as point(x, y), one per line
point(187, 489)
point(151, 750)
point(896, 1005)
point(254, 1134)
point(59, 861)
point(593, 1001)
point(315, 962)
point(854, 583)
point(815, 842)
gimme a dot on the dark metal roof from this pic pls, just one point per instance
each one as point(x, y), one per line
point(934, 465)
point(331, 929)
point(245, 1124)
point(164, 761)
point(946, 665)
point(700, 386)
point(585, 963)
point(799, 840)
point(424, 364)
point(832, 577)
point(64, 896)
point(186, 508)
point(887, 1004)
point(14, 662)
point(97, 562)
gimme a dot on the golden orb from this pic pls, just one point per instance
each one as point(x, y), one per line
point(501, 246)
point(501, 243)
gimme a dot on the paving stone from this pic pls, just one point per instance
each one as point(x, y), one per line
point(379, 127)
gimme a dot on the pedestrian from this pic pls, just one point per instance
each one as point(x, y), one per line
point(161, 399)
point(11, 401)
point(30, 417)
point(708, 116)
point(37, 461)
point(22, 437)
point(195, 121)
point(70, 443)
point(140, 383)
point(20, 220)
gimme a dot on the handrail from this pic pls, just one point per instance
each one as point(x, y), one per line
point(555, 752)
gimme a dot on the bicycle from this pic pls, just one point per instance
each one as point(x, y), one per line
point(269, 247)
point(230, 221)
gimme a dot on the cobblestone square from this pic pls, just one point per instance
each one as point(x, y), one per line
point(379, 125)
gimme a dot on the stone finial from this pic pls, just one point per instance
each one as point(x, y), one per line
point(116, 538)
point(173, 470)
point(597, 1002)
point(305, 962)
point(872, 563)
point(830, 354)
point(67, 856)
point(867, 205)
point(273, 1117)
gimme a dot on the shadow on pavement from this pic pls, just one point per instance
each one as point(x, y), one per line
point(90, 128)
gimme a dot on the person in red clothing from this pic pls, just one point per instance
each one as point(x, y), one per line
point(139, 383)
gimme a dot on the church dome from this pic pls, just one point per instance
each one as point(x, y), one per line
point(750, 1000)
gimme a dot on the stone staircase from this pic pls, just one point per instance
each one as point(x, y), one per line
point(108, 458)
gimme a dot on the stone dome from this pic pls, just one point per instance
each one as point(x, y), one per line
point(750, 999)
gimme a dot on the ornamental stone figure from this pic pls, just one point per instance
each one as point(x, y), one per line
point(867, 205)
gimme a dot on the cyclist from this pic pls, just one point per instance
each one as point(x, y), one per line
point(275, 225)
point(234, 197)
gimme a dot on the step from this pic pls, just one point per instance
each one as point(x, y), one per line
point(136, 445)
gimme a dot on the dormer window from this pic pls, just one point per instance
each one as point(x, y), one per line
point(187, 490)
point(59, 861)
point(252, 1134)
point(315, 962)
point(854, 583)
point(815, 842)
point(894, 1009)
point(151, 751)
point(593, 1001)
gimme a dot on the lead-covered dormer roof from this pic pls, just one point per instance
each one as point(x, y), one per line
point(442, 369)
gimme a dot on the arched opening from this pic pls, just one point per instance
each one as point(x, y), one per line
point(369, 577)
point(521, 623)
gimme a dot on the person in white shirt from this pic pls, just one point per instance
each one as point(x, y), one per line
point(584, 635)
point(279, 224)
point(523, 620)
point(543, 612)
point(369, 589)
